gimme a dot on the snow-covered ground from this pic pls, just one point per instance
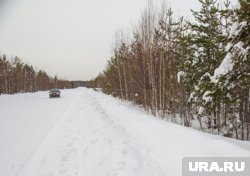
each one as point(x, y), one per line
point(92, 134)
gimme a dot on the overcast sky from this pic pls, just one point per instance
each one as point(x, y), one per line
point(70, 38)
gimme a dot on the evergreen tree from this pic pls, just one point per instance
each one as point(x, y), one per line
point(206, 40)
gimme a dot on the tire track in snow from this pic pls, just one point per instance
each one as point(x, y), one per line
point(33, 161)
point(129, 157)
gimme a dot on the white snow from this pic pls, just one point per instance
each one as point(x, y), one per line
point(201, 110)
point(236, 28)
point(243, 51)
point(206, 96)
point(179, 75)
point(229, 46)
point(92, 134)
point(191, 97)
point(225, 67)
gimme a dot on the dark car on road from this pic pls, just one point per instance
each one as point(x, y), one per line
point(54, 93)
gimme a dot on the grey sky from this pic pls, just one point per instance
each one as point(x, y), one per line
point(70, 38)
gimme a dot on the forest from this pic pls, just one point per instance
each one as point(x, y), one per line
point(18, 77)
point(194, 73)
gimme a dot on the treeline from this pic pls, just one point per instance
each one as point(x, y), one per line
point(18, 77)
point(193, 73)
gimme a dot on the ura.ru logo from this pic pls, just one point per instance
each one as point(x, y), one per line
point(216, 167)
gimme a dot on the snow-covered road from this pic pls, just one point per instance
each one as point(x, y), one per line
point(92, 134)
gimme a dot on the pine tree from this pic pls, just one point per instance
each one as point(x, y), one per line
point(205, 39)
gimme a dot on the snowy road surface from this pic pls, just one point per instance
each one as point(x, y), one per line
point(87, 133)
